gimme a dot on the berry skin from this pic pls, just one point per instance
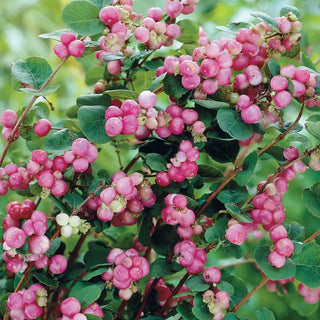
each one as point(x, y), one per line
point(58, 264)
point(61, 50)
point(42, 127)
point(109, 15)
point(76, 48)
point(70, 306)
point(8, 118)
point(212, 275)
point(14, 237)
point(252, 114)
point(276, 259)
point(236, 234)
point(67, 37)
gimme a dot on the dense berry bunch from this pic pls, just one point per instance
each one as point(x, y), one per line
point(183, 165)
point(27, 304)
point(217, 301)
point(71, 224)
point(191, 257)
point(8, 119)
point(69, 45)
point(129, 267)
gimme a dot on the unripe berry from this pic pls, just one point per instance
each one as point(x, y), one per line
point(62, 219)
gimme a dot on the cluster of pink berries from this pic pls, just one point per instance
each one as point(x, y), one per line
point(8, 119)
point(69, 45)
point(272, 285)
point(177, 212)
point(217, 301)
point(129, 267)
point(127, 196)
point(183, 165)
point(310, 295)
point(191, 257)
point(27, 304)
point(71, 309)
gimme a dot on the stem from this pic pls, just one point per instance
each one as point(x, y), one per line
point(24, 114)
point(146, 298)
point(131, 163)
point(283, 134)
point(75, 252)
point(116, 146)
point(312, 237)
point(122, 306)
point(216, 192)
point(231, 265)
point(173, 293)
point(250, 294)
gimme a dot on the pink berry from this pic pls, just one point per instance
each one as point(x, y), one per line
point(279, 83)
point(251, 114)
point(284, 247)
point(282, 99)
point(67, 37)
point(39, 244)
point(278, 232)
point(70, 306)
point(58, 264)
point(61, 50)
point(212, 275)
point(80, 165)
point(236, 234)
point(42, 127)
point(8, 118)
point(14, 237)
point(276, 259)
point(76, 48)
point(142, 34)
point(109, 15)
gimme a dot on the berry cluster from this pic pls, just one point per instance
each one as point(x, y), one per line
point(177, 212)
point(129, 267)
point(27, 304)
point(71, 309)
point(69, 45)
point(309, 295)
point(71, 224)
point(217, 301)
point(8, 119)
point(183, 165)
point(191, 257)
point(127, 196)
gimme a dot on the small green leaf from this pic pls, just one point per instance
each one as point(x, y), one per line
point(156, 162)
point(91, 274)
point(308, 265)
point(307, 62)
point(173, 87)
point(293, 52)
point(146, 225)
point(156, 82)
point(54, 246)
point(249, 164)
point(48, 91)
point(266, 18)
point(96, 256)
point(189, 31)
point(113, 56)
point(161, 267)
point(236, 212)
point(218, 230)
point(274, 67)
point(230, 122)
point(55, 35)
point(88, 295)
point(100, 3)
point(185, 309)
point(227, 287)
point(264, 314)
point(44, 278)
point(82, 17)
point(93, 75)
point(232, 193)
point(34, 71)
point(94, 100)
point(274, 152)
point(222, 151)
point(313, 128)
point(233, 27)
point(212, 104)
point(294, 230)
point(122, 94)
point(196, 283)
point(92, 123)
point(286, 9)
point(209, 171)
point(287, 271)
point(58, 141)
point(164, 239)
point(240, 290)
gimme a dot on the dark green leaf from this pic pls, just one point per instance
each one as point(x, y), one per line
point(82, 17)
point(232, 193)
point(44, 278)
point(196, 283)
point(209, 172)
point(311, 199)
point(274, 67)
point(267, 19)
point(162, 267)
point(122, 94)
point(261, 256)
point(234, 250)
point(34, 71)
point(293, 52)
point(156, 162)
point(249, 164)
point(94, 100)
point(274, 152)
point(264, 314)
point(113, 56)
point(145, 228)
point(218, 230)
point(93, 75)
point(294, 230)
point(100, 3)
point(297, 137)
point(308, 265)
point(156, 82)
point(92, 317)
point(74, 199)
point(313, 128)
point(189, 31)
point(307, 62)
point(48, 91)
point(222, 151)
point(164, 239)
point(236, 212)
point(185, 309)
point(173, 87)
point(73, 271)
point(212, 104)
point(54, 246)
point(96, 256)
point(227, 287)
point(240, 290)
point(58, 141)
point(92, 123)
point(88, 295)
point(91, 274)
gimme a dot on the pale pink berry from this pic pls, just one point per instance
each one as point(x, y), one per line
point(14, 237)
point(212, 275)
point(109, 15)
point(251, 114)
point(276, 259)
point(61, 50)
point(42, 127)
point(190, 82)
point(39, 244)
point(8, 118)
point(236, 234)
point(114, 67)
point(80, 147)
point(278, 232)
point(76, 48)
point(173, 8)
point(67, 37)
point(113, 127)
point(80, 165)
point(15, 301)
point(32, 311)
point(279, 83)
point(59, 188)
point(70, 306)
point(130, 124)
point(291, 153)
point(173, 31)
point(282, 99)
point(94, 309)
point(142, 34)
point(58, 264)
point(284, 247)
point(209, 86)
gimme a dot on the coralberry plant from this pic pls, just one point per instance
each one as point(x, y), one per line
point(162, 236)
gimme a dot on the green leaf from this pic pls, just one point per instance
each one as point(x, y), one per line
point(222, 151)
point(232, 193)
point(146, 225)
point(48, 91)
point(308, 265)
point(274, 67)
point(33, 71)
point(240, 289)
point(218, 230)
point(230, 122)
point(94, 100)
point(91, 274)
point(286, 9)
point(293, 52)
point(54, 246)
point(236, 212)
point(311, 199)
point(294, 230)
point(173, 87)
point(209, 171)
point(82, 17)
point(261, 256)
point(92, 123)
point(96, 256)
point(93, 75)
point(200, 309)
point(233, 27)
point(297, 303)
point(58, 141)
point(230, 316)
point(274, 152)
point(196, 283)
point(212, 104)
point(44, 278)
point(156, 162)
point(156, 82)
point(122, 94)
point(266, 18)
point(249, 164)
point(164, 239)
point(92, 317)
point(189, 31)
point(185, 309)
point(87, 295)
point(73, 271)
point(161, 267)
point(297, 137)
point(227, 287)
point(113, 56)
point(74, 199)
point(100, 3)
point(30, 91)
point(264, 314)
point(313, 128)
point(55, 35)
point(307, 62)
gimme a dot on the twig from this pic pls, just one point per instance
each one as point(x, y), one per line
point(24, 114)
point(131, 163)
point(250, 294)
point(75, 252)
point(312, 237)
point(116, 146)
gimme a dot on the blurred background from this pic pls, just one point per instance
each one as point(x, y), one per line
point(22, 21)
